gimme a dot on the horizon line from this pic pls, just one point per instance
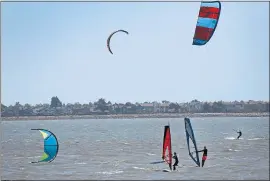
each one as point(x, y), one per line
point(124, 102)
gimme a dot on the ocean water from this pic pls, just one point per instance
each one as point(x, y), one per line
point(124, 149)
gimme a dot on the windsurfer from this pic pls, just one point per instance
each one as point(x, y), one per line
point(176, 160)
point(204, 157)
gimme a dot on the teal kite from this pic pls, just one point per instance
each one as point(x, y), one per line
point(51, 146)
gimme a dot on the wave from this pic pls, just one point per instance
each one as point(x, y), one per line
point(228, 158)
point(232, 138)
point(233, 150)
point(213, 165)
point(224, 133)
point(125, 143)
point(7, 141)
point(80, 163)
point(254, 139)
point(140, 168)
point(111, 172)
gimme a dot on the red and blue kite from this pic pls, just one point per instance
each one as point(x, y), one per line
point(207, 22)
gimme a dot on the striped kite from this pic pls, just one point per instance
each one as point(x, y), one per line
point(207, 22)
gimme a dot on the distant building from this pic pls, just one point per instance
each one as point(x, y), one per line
point(147, 107)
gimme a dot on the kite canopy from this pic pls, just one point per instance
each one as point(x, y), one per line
point(207, 22)
point(109, 39)
point(50, 146)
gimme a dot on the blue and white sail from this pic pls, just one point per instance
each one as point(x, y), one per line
point(191, 142)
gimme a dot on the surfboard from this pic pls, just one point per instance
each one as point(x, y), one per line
point(165, 170)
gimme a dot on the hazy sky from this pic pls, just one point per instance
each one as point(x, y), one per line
point(59, 49)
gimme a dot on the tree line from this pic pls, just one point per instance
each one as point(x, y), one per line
point(101, 106)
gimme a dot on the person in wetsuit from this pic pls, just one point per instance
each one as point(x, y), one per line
point(240, 134)
point(176, 160)
point(204, 157)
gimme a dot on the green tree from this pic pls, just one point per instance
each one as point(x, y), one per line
point(128, 104)
point(27, 106)
point(55, 102)
point(218, 107)
point(130, 108)
point(3, 107)
point(207, 107)
point(17, 108)
point(101, 105)
point(174, 106)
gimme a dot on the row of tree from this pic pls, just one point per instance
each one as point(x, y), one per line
point(102, 105)
point(56, 107)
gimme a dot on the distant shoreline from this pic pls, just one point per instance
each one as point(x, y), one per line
point(136, 116)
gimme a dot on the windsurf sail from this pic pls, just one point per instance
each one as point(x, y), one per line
point(51, 146)
point(167, 146)
point(191, 142)
point(207, 22)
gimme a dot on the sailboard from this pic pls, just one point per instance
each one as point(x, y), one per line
point(167, 147)
point(166, 170)
point(51, 146)
point(191, 142)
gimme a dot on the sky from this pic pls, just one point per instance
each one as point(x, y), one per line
point(60, 49)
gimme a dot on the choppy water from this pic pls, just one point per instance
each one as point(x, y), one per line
point(124, 149)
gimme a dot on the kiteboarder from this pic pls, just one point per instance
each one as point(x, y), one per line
point(240, 134)
point(204, 157)
point(176, 160)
